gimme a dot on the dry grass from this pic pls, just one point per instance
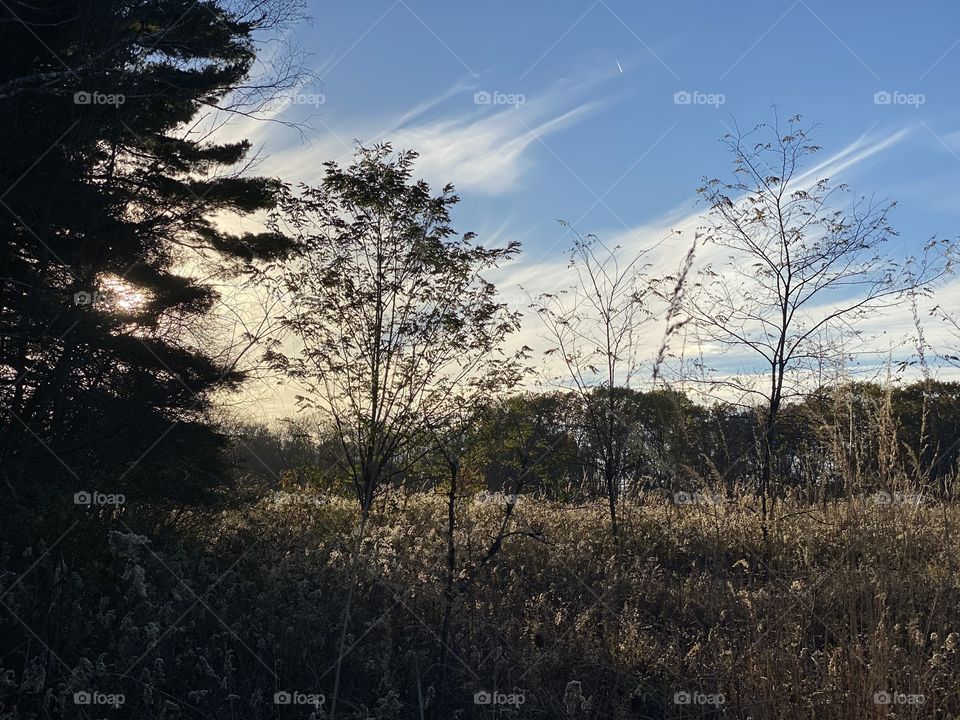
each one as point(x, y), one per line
point(843, 603)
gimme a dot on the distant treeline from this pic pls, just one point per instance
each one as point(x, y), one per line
point(840, 440)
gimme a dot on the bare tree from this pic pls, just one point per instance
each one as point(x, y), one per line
point(950, 355)
point(803, 267)
point(595, 328)
point(452, 431)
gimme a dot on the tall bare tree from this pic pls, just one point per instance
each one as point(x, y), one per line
point(803, 266)
point(595, 328)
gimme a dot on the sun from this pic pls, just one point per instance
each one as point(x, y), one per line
point(122, 295)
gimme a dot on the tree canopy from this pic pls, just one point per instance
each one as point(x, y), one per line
point(114, 191)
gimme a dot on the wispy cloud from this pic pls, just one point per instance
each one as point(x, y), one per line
point(488, 154)
point(674, 231)
point(483, 148)
point(671, 236)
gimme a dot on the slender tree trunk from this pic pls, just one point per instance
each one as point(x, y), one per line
point(765, 480)
point(612, 503)
point(354, 577)
point(767, 491)
point(449, 593)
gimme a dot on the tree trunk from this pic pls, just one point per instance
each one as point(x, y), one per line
point(364, 516)
point(449, 593)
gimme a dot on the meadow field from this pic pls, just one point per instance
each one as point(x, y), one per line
point(845, 611)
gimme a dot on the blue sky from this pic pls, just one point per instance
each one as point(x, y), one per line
point(381, 61)
point(589, 129)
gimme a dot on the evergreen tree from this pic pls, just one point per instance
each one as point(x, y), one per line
point(110, 192)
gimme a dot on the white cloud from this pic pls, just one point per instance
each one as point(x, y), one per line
point(489, 148)
point(482, 148)
point(673, 233)
point(489, 154)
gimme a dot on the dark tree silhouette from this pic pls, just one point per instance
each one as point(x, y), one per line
point(110, 189)
point(391, 311)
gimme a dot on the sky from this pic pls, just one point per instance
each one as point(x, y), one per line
point(608, 114)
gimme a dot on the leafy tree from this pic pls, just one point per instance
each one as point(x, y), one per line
point(527, 438)
point(728, 435)
point(113, 193)
point(928, 423)
point(664, 444)
point(393, 321)
point(389, 308)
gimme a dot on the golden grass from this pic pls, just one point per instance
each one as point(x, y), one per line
point(840, 605)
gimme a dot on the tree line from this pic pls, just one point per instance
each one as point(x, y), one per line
point(855, 439)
